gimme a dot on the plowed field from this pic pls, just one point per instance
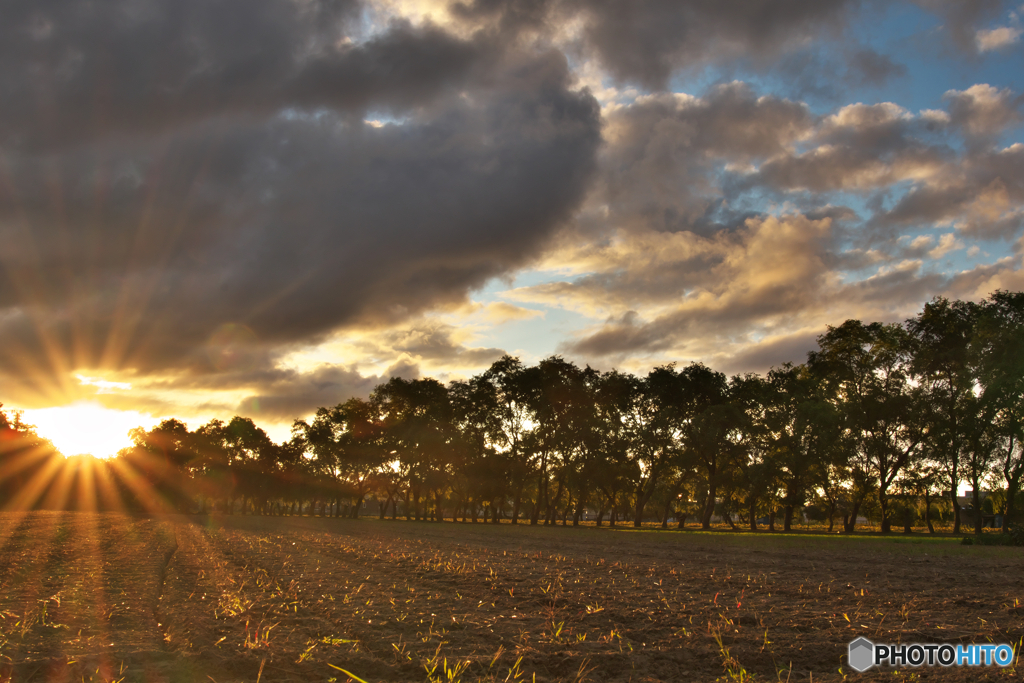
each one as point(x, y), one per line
point(108, 597)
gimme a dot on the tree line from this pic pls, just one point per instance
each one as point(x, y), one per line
point(880, 415)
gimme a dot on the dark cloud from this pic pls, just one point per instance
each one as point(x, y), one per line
point(962, 18)
point(71, 72)
point(766, 354)
point(283, 394)
point(867, 67)
point(507, 16)
point(277, 217)
point(290, 395)
point(622, 335)
point(647, 40)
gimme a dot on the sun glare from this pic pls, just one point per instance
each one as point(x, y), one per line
point(87, 428)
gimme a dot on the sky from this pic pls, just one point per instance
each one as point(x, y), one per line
point(262, 207)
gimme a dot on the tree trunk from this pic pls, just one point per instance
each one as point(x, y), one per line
point(665, 514)
point(978, 517)
point(851, 524)
point(771, 520)
point(1011, 510)
point(884, 506)
point(956, 511)
point(787, 518)
point(753, 513)
point(549, 520)
point(516, 502)
point(642, 496)
point(709, 507)
point(542, 492)
point(728, 519)
point(600, 517)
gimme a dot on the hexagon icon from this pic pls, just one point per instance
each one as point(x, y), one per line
point(862, 655)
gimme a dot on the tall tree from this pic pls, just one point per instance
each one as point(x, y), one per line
point(564, 409)
point(514, 391)
point(346, 444)
point(999, 344)
point(705, 424)
point(870, 369)
point(943, 362)
point(156, 467)
point(418, 429)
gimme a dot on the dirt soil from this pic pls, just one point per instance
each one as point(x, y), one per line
point(109, 597)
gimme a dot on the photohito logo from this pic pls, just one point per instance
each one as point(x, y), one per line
point(864, 654)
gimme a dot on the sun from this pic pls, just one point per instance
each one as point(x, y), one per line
point(87, 428)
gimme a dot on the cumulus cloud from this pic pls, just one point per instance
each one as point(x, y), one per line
point(668, 267)
point(999, 38)
point(983, 111)
point(661, 152)
point(983, 196)
point(774, 282)
point(873, 148)
point(860, 147)
point(687, 284)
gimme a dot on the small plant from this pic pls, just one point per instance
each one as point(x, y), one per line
point(258, 636)
point(441, 672)
point(905, 612)
point(515, 672)
point(556, 630)
point(733, 668)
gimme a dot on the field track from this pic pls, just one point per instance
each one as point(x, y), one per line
point(109, 597)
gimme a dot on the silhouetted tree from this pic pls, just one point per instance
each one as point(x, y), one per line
point(28, 463)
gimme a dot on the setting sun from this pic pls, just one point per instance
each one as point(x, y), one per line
point(87, 428)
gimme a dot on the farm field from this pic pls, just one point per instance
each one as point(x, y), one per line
point(111, 597)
